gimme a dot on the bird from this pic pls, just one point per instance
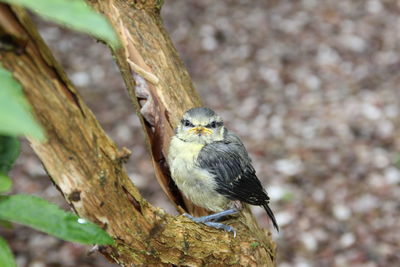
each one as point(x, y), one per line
point(212, 168)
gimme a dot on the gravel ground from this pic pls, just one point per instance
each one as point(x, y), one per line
point(312, 87)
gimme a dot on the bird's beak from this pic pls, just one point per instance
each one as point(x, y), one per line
point(200, 130)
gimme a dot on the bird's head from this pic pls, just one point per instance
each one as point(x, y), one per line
point(201, 125)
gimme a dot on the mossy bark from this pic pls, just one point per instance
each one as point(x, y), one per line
point(87, 167)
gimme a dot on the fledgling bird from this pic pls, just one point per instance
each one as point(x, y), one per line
point(212, 168)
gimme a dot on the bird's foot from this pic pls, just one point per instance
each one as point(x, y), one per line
point(207, 220)
point(212, 217)
point(218, 226)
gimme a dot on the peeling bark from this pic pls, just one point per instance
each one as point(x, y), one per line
point(158, 83)
point(86, 165)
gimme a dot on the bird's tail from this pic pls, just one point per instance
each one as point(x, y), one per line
point(271, 216)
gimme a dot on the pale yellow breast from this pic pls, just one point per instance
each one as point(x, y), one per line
point(182, 157)
point(198, 185)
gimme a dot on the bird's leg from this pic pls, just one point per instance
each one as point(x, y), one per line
point(215, 216)
point(207, 220)
point(236, 206)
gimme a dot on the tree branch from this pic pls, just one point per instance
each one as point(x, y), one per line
point(86, 165)
point(157, 81)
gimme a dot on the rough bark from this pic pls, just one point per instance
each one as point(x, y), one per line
point(157, 81)
point(87, 167)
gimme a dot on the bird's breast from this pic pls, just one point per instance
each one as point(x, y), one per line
point(182, 159)
point(197, 184)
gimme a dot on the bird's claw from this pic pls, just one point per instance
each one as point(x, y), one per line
point(206, 220)
point(217, 225)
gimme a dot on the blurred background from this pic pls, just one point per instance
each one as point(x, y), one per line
point(311, 87)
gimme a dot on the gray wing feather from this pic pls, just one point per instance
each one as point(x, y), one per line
point(231, 166)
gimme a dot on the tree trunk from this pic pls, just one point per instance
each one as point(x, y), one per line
point(85, 164)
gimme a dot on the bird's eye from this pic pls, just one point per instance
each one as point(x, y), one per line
point(213, 124)
point(187, 123)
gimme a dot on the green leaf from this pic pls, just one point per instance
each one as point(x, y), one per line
point(75, 14)
point(9, 151)
point(6, 256)
point(5, 184)
point(6, 224)
point(47, 217)
point(15, 115)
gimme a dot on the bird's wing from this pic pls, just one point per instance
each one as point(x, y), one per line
point(231, 166)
